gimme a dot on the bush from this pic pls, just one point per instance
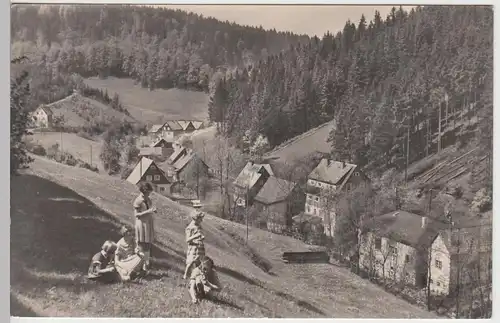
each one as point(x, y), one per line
point(39, 150)
point(482, 201)
point(86, 165)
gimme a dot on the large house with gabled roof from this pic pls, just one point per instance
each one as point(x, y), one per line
point(249, 182)
point(327, 178)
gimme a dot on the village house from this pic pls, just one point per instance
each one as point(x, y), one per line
point(146, 170)
point(249, 182)
point(273, 204)
point(42, 117)
point(168, 131)
point(328, 178)
point(461, 256)
point(395, 246)
point(190, 166)
point(159, 148)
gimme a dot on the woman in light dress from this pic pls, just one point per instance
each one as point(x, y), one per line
point(194, 239)
point(144, 223)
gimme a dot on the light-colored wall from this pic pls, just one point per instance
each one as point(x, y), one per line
point(394, 267)
point(440, 277)
point(275, 214)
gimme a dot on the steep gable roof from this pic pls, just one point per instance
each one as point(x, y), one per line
point(159, 141)
point(184, 124)
point(184, 160)
point(46, 109)
point(403, 227)
point(176, 154)
point(332, 172)
point(139, 170)
point(275, 190)
point(197, 124)
point(174, 125)
point(155, 128)
point(250, 174)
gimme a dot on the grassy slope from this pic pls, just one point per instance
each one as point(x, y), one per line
point(68, 106)
point(303, 145)
point(61, 215)
point(73, 144)
point(147, 106)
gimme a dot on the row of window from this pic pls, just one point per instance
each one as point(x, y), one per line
point(393, 251)
point(149, 178)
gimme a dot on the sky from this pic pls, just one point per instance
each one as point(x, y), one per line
point(300, 19)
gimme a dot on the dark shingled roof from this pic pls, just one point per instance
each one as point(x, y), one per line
point(332, 172)
point(404, 227)
point(274, 190)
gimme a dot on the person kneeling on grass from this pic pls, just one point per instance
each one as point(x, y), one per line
point(102, 264)
point(203, 280)
point(128, 259)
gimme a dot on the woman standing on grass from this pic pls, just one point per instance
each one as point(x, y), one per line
point(144, 223)
point(194, 239)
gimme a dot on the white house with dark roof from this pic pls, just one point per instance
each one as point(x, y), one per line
point(395, 246)
point(461, 255)
point(146, 170)
point(249, 182)
point(273, 203)
point(329, 177)
point(42, 117)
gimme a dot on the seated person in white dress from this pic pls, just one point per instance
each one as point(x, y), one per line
point(128, 259)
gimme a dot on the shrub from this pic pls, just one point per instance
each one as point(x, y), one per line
point(38, 150)
point(86, 165)
point(482, 201)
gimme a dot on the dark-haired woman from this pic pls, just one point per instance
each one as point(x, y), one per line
point(144, 222)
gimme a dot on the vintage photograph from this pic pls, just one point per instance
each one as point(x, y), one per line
point(284, 161)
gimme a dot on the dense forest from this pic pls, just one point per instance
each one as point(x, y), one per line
point(426, 70)
point(380, 81)
point(158, 47)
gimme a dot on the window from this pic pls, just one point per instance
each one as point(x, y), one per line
point(157, 177)
point(407, 259)
point(348, 186)
point(149, 178)
point(320, 184)
point(378, 243)
point(317, 199)
point(308, 209)
point(438, 284)
point(152, 167)
point(392, 250)
point(162, 189)
point(308, 197)
point(439, 264)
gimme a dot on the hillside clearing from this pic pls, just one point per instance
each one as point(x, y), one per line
point(147, 106)
point(72, 143)
point(301, 146)
point(78, 111)
point(54, 205)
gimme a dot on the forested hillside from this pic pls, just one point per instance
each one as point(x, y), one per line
point(375, 78)
point(158, 47)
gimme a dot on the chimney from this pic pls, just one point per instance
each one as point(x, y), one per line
point(343, 164)
point(424, 222)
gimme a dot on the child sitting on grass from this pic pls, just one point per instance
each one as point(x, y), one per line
point(128, 259)
point(203, 280)
point(102, 265)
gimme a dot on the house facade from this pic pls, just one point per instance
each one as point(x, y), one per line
point(395, 246)
point(327, 179)
point(249, 182)
point(42, 117)
point(146, 170)
point(461, 258)
point(190, 167)
point(272, 203)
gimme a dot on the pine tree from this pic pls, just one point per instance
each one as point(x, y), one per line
point(19, 118)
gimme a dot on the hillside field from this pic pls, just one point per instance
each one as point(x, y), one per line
point(299, 147)
point(72, 143)
point(60, 216)
point(149, 106)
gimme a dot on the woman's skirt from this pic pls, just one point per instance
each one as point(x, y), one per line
point(144, 230)
point(127, 266)
point(194, 252)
